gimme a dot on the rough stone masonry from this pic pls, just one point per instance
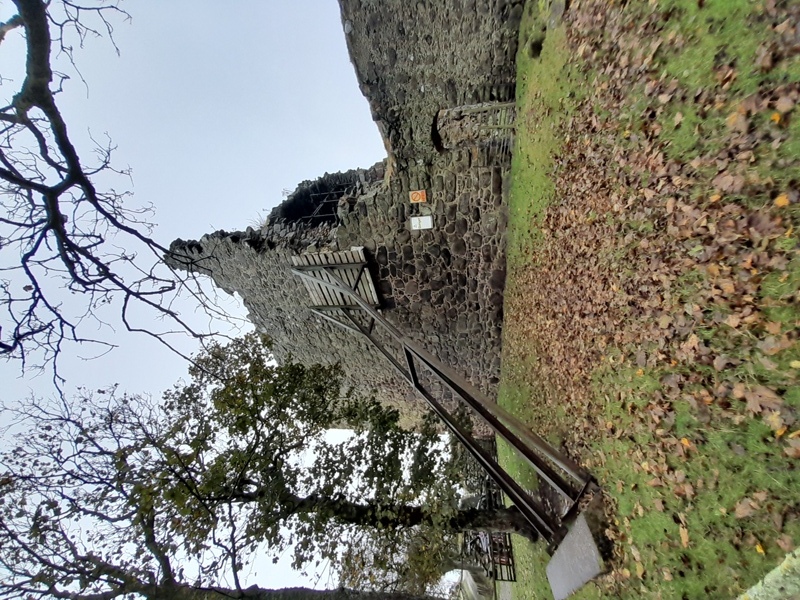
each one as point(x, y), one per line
point(418, 63)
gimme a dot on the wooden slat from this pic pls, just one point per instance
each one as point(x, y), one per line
point(327, 262)
point(336, 298)
point(312, 291)
point(340, 299)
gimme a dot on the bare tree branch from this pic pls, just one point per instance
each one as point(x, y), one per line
point(58, 231)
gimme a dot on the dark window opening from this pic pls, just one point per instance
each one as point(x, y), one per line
point(316, 202)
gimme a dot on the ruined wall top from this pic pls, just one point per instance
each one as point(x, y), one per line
point(413, 58)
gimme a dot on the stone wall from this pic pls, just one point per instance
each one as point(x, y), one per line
point(443, 287)
point(415, 57)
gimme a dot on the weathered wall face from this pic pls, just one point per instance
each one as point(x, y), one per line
point(442, 287)
point(415, 57)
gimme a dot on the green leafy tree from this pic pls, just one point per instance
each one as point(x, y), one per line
point(114, 493)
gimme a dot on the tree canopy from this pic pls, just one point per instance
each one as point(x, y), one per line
point(113, 493)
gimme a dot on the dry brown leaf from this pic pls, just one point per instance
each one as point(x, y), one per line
point(761, 398)
point(738, 122)
point(684, 536)
point(636, 554)
point(733, 321)
point(774, 420)
point(793, 449)
point(692, 342)
point(771, 345)
point(785, 543)
point(764, 60)
point(745, 508)
point(784, 26)
point(767, 363)
point(773, 327)
point(784, 105)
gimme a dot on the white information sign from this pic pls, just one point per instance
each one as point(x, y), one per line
point(424, 222)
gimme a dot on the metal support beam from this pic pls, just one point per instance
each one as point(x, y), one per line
point(503, 423)
point(530, 509)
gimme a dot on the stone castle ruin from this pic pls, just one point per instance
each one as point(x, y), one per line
point(439, 76)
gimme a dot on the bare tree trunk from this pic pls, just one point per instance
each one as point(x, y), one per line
point(185, 592)
point(503, 520)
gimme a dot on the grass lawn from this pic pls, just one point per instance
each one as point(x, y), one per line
point(653, 292)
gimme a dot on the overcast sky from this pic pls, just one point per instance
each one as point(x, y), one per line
point(217, 107)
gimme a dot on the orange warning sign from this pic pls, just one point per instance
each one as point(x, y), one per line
point(418, 196)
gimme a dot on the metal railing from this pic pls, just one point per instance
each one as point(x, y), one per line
point(557, 470)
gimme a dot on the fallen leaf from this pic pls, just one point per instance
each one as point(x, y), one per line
point(760, 398)
point(775, 117)
point(782, 200)
point(658, 503)
point(639, 570)
point(721, 362)
point(785, 543)
point(767, 363)
point(684, 536)
point(793, 450)
point(745, 508)
point(733, 321)
point(678, 120)
point(738, 122)
point(784, 26)
point(773, 327)
point(636, 554)
point(795, 364)
point(774, 420)
point(691, 343)
point(725, 182)
point(760, 549)
point(784, 105)
point(764, 60)
point(771, 345)
point(667, 574)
